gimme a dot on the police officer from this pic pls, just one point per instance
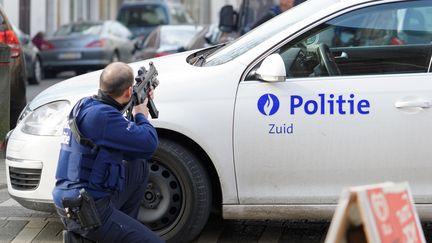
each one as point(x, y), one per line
point(104, 156)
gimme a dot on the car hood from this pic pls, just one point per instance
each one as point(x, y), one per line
point(79, 86)
point(73, 89)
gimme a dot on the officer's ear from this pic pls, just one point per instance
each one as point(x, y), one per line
point(128, 92)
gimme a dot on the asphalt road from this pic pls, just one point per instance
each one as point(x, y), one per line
point(18, 224)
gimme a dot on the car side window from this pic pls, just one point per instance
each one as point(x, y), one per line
point(382, 39)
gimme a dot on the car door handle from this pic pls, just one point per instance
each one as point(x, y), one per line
point(413, 104)
point(343, 55)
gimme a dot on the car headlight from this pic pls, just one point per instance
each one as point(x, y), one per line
point(24, 113)
point(46, 120)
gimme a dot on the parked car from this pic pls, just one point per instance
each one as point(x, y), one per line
point(165, 40)
point(209, 35)
point(141, 17)
point(4, 94)
point(17, 70)
point(272, 125)
point(83, 46)
point(31, 57)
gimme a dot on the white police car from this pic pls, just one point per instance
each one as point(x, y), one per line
point(330, 94)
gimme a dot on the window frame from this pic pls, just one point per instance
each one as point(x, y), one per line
point(295, 37)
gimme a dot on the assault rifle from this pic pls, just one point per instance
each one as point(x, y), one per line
point(145, 80)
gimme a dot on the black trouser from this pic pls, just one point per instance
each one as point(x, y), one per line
point(119, 212)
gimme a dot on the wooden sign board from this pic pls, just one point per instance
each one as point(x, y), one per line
point(382, 213)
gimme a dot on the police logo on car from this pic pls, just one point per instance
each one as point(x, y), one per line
point(268, 104)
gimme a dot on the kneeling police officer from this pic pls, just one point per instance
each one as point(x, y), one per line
point(102, 170)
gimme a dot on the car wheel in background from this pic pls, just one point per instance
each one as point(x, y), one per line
point(177, 202)
point(37, 72)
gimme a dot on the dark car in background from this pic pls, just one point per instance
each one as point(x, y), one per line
point(141, 17)
point(86, 45)
point(165, 40)
point(31, 57)
point(17, 70)
point(209, 35)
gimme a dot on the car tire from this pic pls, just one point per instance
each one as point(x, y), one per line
point(177, 202)
point(37, 72)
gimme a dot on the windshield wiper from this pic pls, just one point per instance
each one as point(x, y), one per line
point(201, 59)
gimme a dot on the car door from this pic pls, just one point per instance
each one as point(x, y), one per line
point(363, 118)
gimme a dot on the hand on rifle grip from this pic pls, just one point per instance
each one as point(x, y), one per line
point(141, 108)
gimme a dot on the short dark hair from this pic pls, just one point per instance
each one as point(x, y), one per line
point(116, 78)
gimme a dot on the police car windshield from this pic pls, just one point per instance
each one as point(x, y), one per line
point(266, 31)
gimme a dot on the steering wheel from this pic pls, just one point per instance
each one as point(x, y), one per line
point(327, 60)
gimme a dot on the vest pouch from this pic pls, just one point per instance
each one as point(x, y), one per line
point(107, 171)
point(115, 176)
point(69, 165)
point(87, 162)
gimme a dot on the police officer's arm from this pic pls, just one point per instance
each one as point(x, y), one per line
point(137, 139)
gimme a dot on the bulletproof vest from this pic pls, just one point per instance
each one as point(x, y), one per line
point(82, 163)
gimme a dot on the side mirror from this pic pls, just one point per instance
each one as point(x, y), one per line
point(312, 40)
point(272, 69)
point(227, 19)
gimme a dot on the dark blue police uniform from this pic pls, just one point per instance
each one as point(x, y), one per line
point(113, 171)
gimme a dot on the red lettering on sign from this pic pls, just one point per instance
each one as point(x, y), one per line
point(394, 216)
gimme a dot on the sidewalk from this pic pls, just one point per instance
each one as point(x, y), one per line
point(19, 224)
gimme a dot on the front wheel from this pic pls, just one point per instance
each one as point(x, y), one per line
point(177, 202)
